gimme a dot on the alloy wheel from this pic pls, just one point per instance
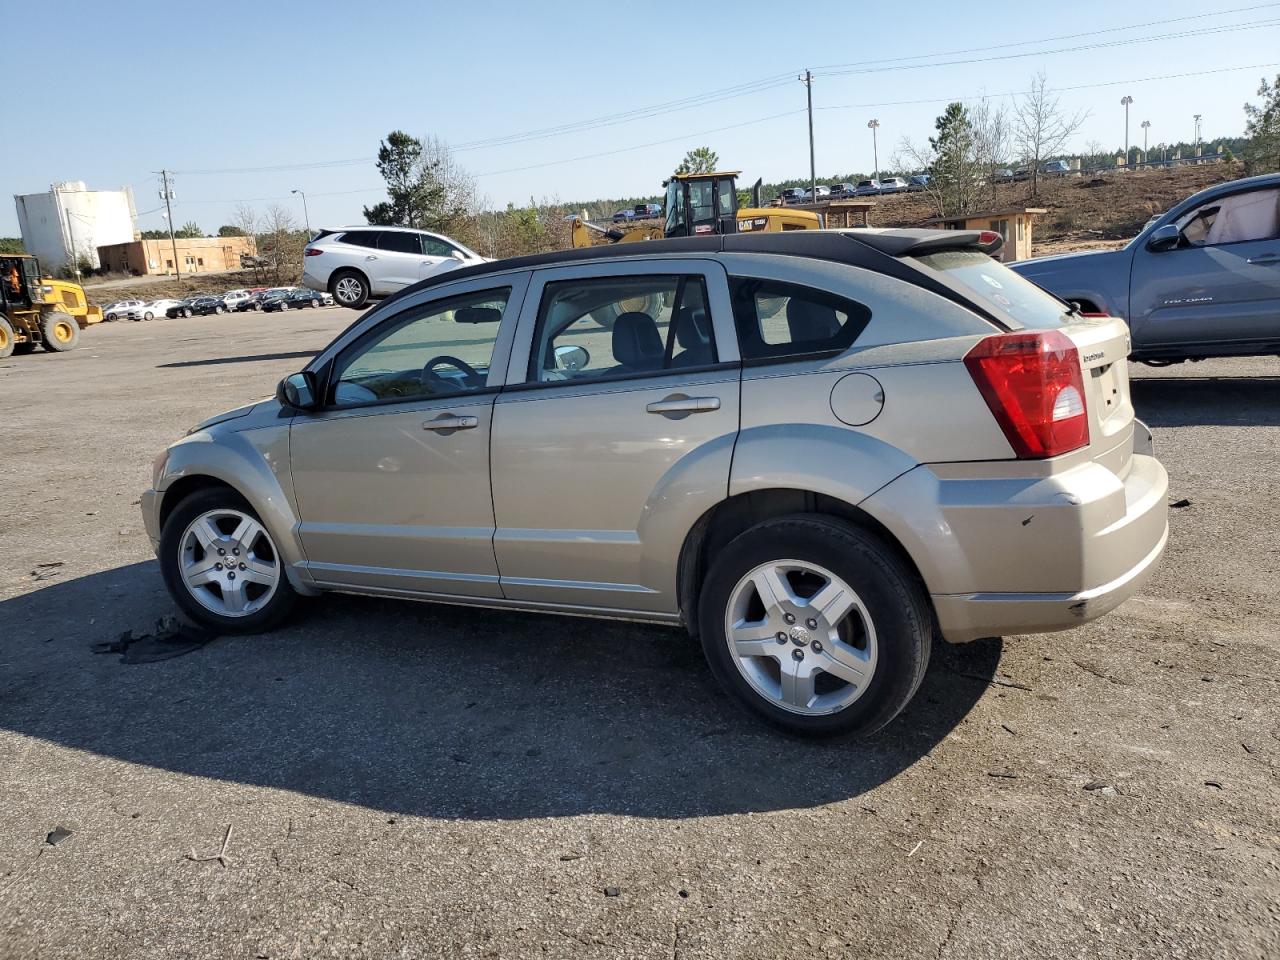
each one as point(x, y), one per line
point(229, 563)
point(801, 637)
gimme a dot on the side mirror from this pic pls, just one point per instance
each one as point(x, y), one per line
point(298, 391)
point(572, 357)
point(1164, 238)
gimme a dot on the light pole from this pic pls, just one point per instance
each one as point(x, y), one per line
point(305, 216)
point(1196, 117)
point(874, 125)
point(1146, 126)
point(1125, 101)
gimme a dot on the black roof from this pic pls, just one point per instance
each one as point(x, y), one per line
point(872, 249)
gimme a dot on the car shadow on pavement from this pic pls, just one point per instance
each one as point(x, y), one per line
point(217, 361)
point(440, 711)
point(1207, 401)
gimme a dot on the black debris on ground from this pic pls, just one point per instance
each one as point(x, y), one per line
point(171, 638)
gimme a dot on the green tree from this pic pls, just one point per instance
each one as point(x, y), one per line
point(954, 170)
point(189, 231)
point(228, 230)
point(11, 245)
point(1262, 128)
point(414, 194)
point(155, 234)
point(699, 160)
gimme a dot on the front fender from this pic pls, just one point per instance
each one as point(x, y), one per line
point(255, 463)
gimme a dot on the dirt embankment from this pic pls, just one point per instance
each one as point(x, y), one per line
point(1088, 212)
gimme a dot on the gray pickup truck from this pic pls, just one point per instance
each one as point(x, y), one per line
point(1201, 280)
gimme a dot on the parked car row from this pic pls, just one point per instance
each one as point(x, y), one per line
point(863, 188)
point(641, 211)
point(206, 304)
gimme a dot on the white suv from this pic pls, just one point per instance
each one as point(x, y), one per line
point(356, 263)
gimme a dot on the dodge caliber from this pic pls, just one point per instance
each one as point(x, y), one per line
point(819, 452)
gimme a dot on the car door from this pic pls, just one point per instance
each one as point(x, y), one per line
point(1220, 285)
point(391, 476)
point(436, 254)
point(399, 256)
point(358, 249)
point(615, 432)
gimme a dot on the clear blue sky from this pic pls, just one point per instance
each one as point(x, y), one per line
point(135, 87)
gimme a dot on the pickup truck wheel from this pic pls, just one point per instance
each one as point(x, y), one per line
point(221, 565)
point(350, 289)
point(7, 339)
point(815, 626)
point(60, 331)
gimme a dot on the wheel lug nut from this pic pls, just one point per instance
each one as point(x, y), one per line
point(817, 646)
point(797, 654)
point(236, 551)
point(789, 617)
point(217, 566)
point(811, 623)
point(782, 638)
point(242, 566)
point(221, 552)
point(231, 575)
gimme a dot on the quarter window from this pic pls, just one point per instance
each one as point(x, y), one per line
point(777, 320)
point(621, 327)
point(361, 238)
point(438, 349)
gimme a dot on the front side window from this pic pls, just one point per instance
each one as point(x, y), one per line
point(435, 247)
point(620, 327)
point(437, 349)
point(1238, 218)
point(777, 320)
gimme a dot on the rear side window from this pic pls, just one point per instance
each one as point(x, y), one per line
point(777, 320)
point(993, 284)
point(361, 238)
point(397, 242)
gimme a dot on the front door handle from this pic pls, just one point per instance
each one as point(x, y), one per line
point(677, 406)
point(450, 422)
point(1264, 259)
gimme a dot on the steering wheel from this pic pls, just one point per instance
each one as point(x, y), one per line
point(429, 371)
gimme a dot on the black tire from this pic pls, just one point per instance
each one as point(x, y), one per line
point(186, 312)
point(60, 331)
point(7, 339)
point(284, 305)
point(269, 616)
point(315, 304)
point(219, 309)
point(257, 308)
point(895, 600)
point(350, 288)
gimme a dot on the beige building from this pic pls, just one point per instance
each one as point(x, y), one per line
point(198, 255)
point(1014, 225)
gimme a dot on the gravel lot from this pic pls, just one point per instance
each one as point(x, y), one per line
point(408, 780)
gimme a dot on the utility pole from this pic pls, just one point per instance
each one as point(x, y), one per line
point(167, 194)
point(1124, 102)
point(306, 216)
point(874, 125)
point(807, 80)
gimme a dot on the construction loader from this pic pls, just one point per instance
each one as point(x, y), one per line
point(39, 310)
point(700, 204)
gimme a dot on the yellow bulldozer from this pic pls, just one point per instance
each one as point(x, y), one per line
point(39, 310)
point(699, 204)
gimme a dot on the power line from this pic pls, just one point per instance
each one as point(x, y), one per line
point(778, 80)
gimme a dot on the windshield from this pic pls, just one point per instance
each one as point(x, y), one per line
point(991, 282)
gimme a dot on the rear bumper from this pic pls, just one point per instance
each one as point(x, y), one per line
point(1003, 555)
point(312, 282)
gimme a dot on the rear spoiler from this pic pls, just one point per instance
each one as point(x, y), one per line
point(913, 243)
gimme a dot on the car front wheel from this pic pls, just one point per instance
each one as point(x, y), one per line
point(815, 626)
point(221, 565)
point(350, 289)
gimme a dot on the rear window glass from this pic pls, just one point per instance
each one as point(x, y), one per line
point(361, 238)
point(397, 242)
point(778, 320)
point(995, 285)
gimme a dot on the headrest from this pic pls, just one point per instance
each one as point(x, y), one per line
point(636, 342)
point(691, 328)
point(811, 322)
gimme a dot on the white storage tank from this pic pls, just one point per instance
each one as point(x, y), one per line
point(72, 221)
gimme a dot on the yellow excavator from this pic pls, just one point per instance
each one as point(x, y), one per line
point(701, 204)
point(35, 309)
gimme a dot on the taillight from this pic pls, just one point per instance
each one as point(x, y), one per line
point(312, 252)
point(1034, 385)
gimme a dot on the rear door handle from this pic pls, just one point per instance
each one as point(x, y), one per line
point(1264, 259)
point(448, 421)
point(678, 406)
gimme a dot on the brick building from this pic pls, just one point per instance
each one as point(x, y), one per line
point(197, 255)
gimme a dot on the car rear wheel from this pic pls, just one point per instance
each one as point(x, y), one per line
point(186, 312)
point(815, 626)
point(221, 565)
point(61, 332)
point(350, 289)
point(315, 304)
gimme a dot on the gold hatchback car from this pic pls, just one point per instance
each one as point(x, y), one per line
point(816, 451)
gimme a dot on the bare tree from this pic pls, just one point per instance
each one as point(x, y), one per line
point(1040, 127)
point(458, 203)
point(992, 140)
point(280, 241)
